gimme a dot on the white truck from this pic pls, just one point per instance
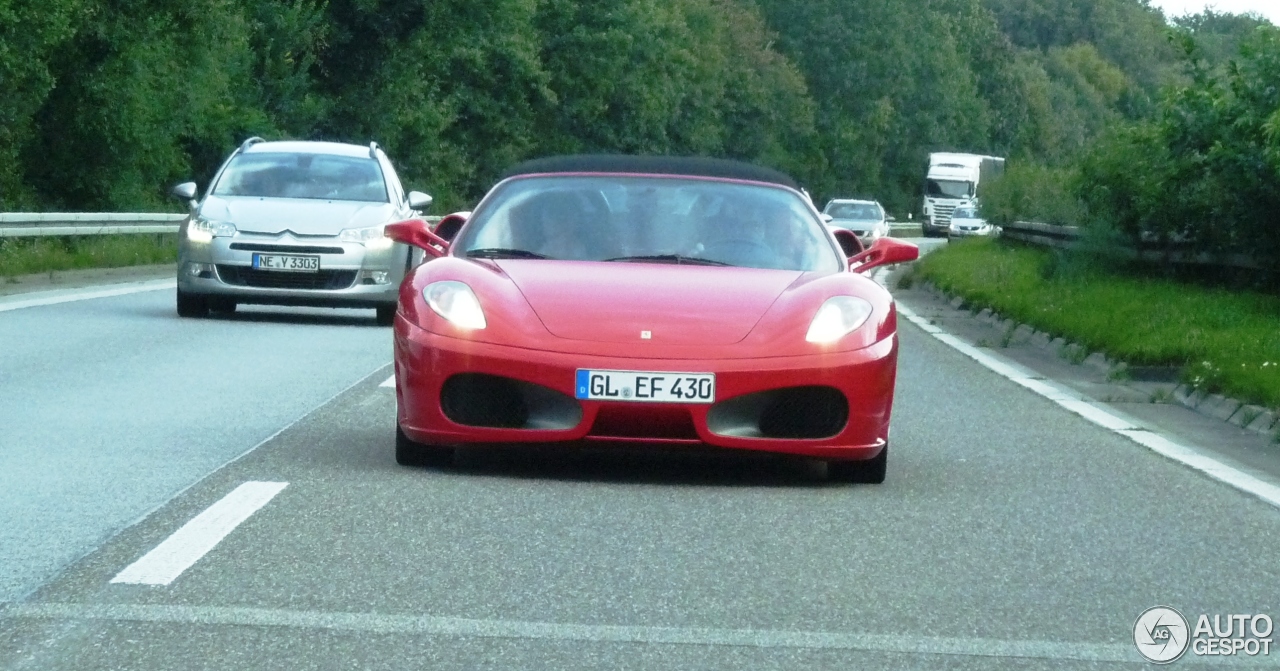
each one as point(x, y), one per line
point(952, 180)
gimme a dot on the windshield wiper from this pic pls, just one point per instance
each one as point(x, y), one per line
point(678, 259)
point(503, 253)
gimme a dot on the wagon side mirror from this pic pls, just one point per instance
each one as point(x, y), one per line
point(417, 232)
point(186, 192)
point(419, 200)
point(884, 251)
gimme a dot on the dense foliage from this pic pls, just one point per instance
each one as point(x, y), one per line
point(1206, 170)
point(104, 104)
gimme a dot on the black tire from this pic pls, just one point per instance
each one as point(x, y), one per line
point(386, 315)
point(870, 472)
point(224, 306)
point(192, 305)
point(410, 453)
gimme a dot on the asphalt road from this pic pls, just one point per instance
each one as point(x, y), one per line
point(1009, 534)
point(110, 407)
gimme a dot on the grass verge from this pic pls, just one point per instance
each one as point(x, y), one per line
point(27, 256)
point(1227, 341)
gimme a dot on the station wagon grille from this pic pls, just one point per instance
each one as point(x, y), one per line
point(285, 249)
point(244, 276)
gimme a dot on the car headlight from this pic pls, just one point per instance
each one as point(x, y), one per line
point(838, 317)
point(205, 230)
point(372, 237)
point(455, 302)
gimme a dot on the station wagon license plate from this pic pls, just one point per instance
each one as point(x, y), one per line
point(291, 263)
point(660, 387)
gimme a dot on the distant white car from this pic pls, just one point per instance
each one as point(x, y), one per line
point(865, 218)
point(967, 223)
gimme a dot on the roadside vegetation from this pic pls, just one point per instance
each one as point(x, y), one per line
point(108, 104)
point(27, 256)
point(1226, 341)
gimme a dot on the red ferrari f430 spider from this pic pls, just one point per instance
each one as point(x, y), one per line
point(594, 300)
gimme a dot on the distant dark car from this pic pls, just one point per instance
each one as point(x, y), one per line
point(295, 223)
point(646, 301)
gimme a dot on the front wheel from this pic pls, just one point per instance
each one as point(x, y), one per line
point(411, 453)
point(871, 471)
point(223, 306)
point(192, 305)
point(386, 315)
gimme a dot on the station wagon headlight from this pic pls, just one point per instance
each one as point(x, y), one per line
point(205, 230)
point(838, 317)
point(455, 302)
point(371, 237)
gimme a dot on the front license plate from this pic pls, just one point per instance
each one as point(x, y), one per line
point(290, 263)
point(664, 387)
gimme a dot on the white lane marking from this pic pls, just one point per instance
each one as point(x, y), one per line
point(389, 382)
point(196, 538)
point(41, 298)
point(1100, 415)
point(418, 625)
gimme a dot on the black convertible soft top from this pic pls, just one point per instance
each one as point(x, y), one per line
point(658, 165)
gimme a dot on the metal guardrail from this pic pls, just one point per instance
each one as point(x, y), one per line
point(1045, 235)
point(24, 224)
point(1052, 235)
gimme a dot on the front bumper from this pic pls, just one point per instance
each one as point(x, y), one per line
point(939, 226)
point(424, 361)
point(974, 233)
point(351, 275)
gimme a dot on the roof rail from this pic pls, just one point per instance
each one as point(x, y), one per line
point(373, 149)
point(251, 141)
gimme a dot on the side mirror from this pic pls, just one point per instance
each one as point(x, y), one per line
point(849, 241)
point(882, 252)
point(826, 218)
point(418, 233)
point(889, 217)
point(419, 200)
point(184, 191)
point(449, 226)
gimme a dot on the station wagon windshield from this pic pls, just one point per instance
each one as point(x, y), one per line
point(312, 176)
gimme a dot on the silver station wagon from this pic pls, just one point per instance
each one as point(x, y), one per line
point(295, 223)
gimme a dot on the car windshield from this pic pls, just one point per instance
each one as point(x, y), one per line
point(649, 220)
point(315, 176)
point(964, 213)
point(854, 211)
point(944, 188)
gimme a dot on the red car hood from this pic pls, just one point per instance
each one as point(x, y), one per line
point(678, 305)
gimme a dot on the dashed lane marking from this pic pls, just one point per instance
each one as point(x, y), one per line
point(163, 564)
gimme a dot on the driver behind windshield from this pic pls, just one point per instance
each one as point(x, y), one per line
point(750, 232)
point(553, 225)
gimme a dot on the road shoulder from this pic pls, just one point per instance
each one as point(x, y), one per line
point(83, 277)
point(1146, 398)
